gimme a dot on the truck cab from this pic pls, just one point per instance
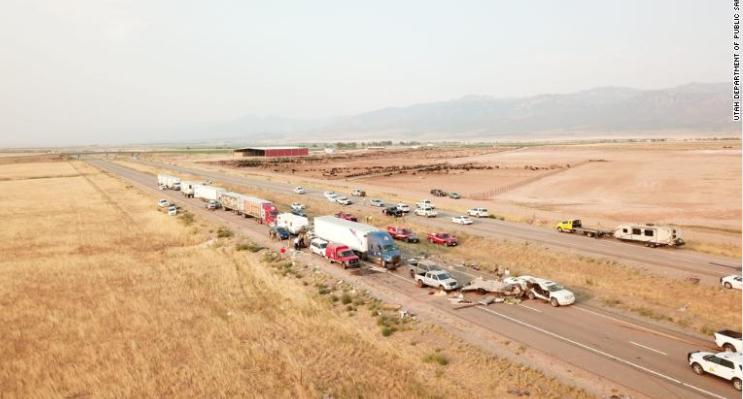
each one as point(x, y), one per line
point(568, 225)
point(339, 253)
point(383, 249)
point(269, 213)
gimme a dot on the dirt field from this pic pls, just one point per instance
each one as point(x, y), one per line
point(693, 185)
point(105, 296)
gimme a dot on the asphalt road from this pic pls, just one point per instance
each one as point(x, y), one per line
point(636, 355)
point(673, 262)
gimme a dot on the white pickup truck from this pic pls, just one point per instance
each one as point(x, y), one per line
point(437, 279)
point(427, 212)
point(729, 340)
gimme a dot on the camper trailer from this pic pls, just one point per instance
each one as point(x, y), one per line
point(649, 234)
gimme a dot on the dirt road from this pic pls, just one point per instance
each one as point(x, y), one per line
point(583, 343)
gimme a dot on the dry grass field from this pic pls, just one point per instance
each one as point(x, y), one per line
point(103, 295)
point(701, 308)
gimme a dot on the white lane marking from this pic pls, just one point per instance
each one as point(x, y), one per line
point(401, 277)
point(649, 348)
point(529, 307)
point(602, 353)
point(650, 330)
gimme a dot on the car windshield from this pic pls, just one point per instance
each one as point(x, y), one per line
point(443, 235)
point(388, 247)
point(273, 213)
point(444, 276)
point(346, 254)
point(555, 287)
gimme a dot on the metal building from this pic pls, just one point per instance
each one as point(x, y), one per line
point(272, 152)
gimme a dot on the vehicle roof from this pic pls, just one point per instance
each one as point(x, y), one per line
point(735, 357)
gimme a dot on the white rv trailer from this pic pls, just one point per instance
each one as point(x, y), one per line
point(649, 234)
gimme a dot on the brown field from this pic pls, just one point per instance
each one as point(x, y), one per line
point(603, 283)
point(693, 185)
point(105, 296)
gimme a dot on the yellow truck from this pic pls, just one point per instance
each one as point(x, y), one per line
point(575, 226)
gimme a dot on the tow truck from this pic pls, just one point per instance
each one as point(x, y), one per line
point(575, 226)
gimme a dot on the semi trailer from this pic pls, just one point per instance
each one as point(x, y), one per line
point(261, 210)
point(169, 182)
point(367, 241)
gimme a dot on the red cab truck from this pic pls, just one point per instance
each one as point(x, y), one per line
point(263, 211)
point(339, 253)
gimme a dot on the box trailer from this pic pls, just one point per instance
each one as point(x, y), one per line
point(295, 224)
point(168, 181)
point(649, 234)
point(262, 210)
point(368, 241)
point(187, 188)
point(207, 193)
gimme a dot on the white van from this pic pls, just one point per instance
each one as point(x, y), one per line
point(650, 234)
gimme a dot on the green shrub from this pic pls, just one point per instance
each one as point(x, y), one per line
point(346, 299)
point(437, 357)
point(387, 331)
point(224, 232)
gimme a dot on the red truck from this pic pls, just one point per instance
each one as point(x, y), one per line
point(442, 238)
point(342, 254)
point(346, 216)
point(263, 211)
point(403, 234)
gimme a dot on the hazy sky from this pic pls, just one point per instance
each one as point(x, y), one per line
point(90, 71)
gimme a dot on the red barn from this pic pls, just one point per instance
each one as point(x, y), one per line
point(272, 152)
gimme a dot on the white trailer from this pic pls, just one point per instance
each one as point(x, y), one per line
point(169, 181)
point(295, 224)
point(207, 193)
point(187, 188)
point(649, 234)
point(352, 234)
point(368, 241)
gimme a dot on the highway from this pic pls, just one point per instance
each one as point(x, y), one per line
point(673, 262)
point(638, 356)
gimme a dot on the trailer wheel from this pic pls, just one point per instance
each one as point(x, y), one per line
point(481, 291)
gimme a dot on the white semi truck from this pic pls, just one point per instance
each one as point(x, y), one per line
point(207, 193)
point(187, 188)
point(169, 182)
point(367, 241)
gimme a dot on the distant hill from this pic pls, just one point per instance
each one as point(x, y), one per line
point(696, 108)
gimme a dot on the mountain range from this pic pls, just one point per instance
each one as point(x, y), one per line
point(695, 109)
